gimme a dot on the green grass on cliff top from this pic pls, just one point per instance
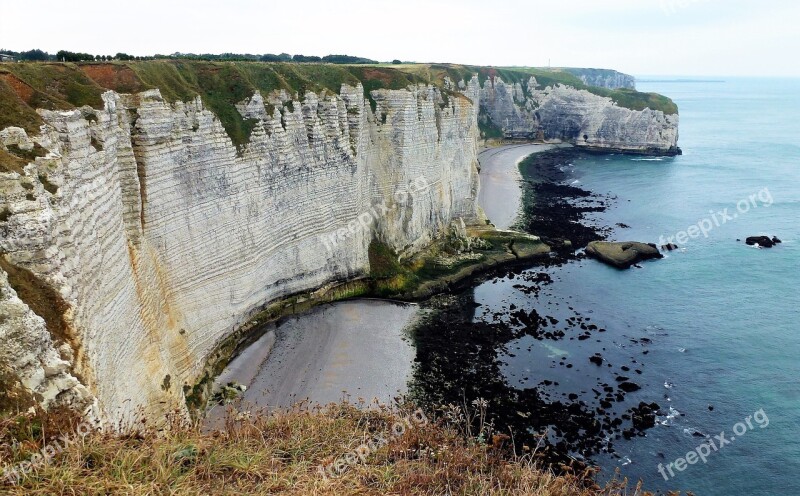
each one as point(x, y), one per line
point(626, 98)
point(29, 86)
point(631, 99)
point(25, 87)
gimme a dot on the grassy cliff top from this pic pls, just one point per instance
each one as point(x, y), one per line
point(58, 86)
point(339, 450)
point(25, 87)
point(631, 99)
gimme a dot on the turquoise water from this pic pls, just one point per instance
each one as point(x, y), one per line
point(723, 316)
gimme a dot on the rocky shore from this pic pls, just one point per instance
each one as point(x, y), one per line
point(554, 210)
point(569, 423)
point(162, 206)
point(451, 263)
point(455, 261)
point(585, 396)
point(500, 195)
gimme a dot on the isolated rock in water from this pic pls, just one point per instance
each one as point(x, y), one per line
point(776, 240)
point(643, 417)
point(669, 247)
point(622, 254)
point(762, 241)
point(629, 387)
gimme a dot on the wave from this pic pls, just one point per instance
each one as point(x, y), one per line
point(692, 432)
point(669, 417)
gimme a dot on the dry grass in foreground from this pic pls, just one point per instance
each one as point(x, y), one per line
point(280, 453)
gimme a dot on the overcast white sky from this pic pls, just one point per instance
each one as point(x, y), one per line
point(641, 37)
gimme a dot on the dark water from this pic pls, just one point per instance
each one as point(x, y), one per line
point(709, 333)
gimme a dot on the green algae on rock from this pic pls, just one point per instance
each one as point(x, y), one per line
point(624, 254)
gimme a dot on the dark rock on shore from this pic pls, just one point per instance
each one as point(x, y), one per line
point(452, 334)
point(629, 387)
point(449, 336)
point(553, 210)
point(644, 416)
point(622, 255)
point(762, 241)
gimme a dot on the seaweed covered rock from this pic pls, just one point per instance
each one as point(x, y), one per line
point(622, 254)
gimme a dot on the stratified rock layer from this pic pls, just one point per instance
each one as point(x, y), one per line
point(138, 237)
point(577, 116)
point(604, 78)
point(162, 238)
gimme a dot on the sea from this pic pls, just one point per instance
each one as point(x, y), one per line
point(719, 318)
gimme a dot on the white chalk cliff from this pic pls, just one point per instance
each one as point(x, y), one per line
point(162, 240)
point(577, 116)
point(158, 238)
point(604, 78)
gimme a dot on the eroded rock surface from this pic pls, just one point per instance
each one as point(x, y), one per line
point(577, 116)
point(622, 255)
point(604, 78)
point(139, 237)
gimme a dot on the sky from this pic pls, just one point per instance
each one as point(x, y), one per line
point(639, 37)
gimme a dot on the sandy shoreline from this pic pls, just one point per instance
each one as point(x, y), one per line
point(500, 195)
point(353, 349)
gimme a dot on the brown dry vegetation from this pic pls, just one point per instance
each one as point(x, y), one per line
point(11, 163)
point(281, 453)
point(118, 77)
point(14, 107)
point(40, 297)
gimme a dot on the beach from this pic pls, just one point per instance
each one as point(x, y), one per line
point(347, 350)
point(500, 196)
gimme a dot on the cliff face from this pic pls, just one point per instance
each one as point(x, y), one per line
point(158, 238)
point(604, 78)
point(586, 119)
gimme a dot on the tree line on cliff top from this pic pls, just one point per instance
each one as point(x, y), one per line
point(68, 56)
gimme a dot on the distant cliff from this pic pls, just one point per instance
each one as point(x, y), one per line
point(148, 210)
point(604, 78)
point(621, 121)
